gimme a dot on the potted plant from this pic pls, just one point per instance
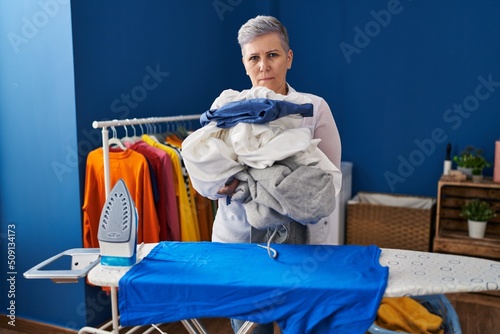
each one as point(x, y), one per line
point(477, 212)
point(472, 162)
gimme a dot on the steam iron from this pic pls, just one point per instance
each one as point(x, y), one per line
point(117, 233)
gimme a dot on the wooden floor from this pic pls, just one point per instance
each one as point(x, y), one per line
point(478, 313)
point(215, 325)
point(7, 331)
point(218, 325)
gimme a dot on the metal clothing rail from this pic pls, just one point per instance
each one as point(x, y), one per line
point(137, 121)
point(193, 326)
point(124, 122)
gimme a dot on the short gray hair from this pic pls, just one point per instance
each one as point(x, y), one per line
point(261, 25)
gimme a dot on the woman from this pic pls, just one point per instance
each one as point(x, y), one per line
point(267, 57)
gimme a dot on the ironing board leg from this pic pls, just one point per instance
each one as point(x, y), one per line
point(114, 318)
point(193, 326)
point(114, 311)
point(246, 327)
point(92, 330)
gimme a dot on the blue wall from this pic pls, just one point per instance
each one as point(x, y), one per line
point(392, 71)
point(394, 85)
point(39, 192)
point(190, 46)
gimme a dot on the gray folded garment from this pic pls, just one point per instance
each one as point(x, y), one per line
point(285, 192)
point(292, 233)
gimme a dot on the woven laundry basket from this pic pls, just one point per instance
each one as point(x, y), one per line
point(436, 304)
point(391, 221)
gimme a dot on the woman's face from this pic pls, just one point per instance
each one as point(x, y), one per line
point(266, 62)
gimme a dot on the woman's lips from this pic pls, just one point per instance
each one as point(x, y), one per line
point(266, 79)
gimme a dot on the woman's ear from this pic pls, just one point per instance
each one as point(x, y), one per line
point(289, 58)
point(243, 62)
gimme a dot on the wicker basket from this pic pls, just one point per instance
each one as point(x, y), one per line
point(391, 221)
point(435, 304)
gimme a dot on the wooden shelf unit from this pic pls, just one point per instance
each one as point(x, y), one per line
point(451, 229)
point(477, 312)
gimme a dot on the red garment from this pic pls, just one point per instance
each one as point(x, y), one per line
point(186, 207)
point(133, 168)
point(166, 205)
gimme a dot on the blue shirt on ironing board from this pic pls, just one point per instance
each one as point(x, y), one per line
point(307, 289)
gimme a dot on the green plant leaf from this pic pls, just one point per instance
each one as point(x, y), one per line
point(478, 210)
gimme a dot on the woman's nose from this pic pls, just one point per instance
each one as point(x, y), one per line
point(263, 66)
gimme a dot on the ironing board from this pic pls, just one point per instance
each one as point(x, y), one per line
point(411, 273)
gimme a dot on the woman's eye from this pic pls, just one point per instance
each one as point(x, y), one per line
point(273, 54)
point(253, 58)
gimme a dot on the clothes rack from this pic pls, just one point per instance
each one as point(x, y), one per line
point(193, 325)
point(124, 122)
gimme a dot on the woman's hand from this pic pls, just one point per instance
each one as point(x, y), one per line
point(229, 187)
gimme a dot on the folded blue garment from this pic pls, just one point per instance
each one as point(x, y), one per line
point(259, 111)
point(307, 289)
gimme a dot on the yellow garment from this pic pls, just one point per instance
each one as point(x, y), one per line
point(201, 206)
point(405, 314)
point(187, 216)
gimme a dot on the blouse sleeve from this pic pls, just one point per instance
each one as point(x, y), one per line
point(325, 129)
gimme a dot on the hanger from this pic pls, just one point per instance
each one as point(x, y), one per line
point(135, 137)
point(167, 132)
point(115, 141)
point(150, 132)
point(142, 130)
point(127, 139)
point(181, 131)
point(159, 134)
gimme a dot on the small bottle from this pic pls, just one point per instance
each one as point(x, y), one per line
point(447, 160)
point(496, 164)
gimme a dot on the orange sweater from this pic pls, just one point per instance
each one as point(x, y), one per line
point(132, 167)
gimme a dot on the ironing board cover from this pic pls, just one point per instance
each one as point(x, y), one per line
point(307, 289)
